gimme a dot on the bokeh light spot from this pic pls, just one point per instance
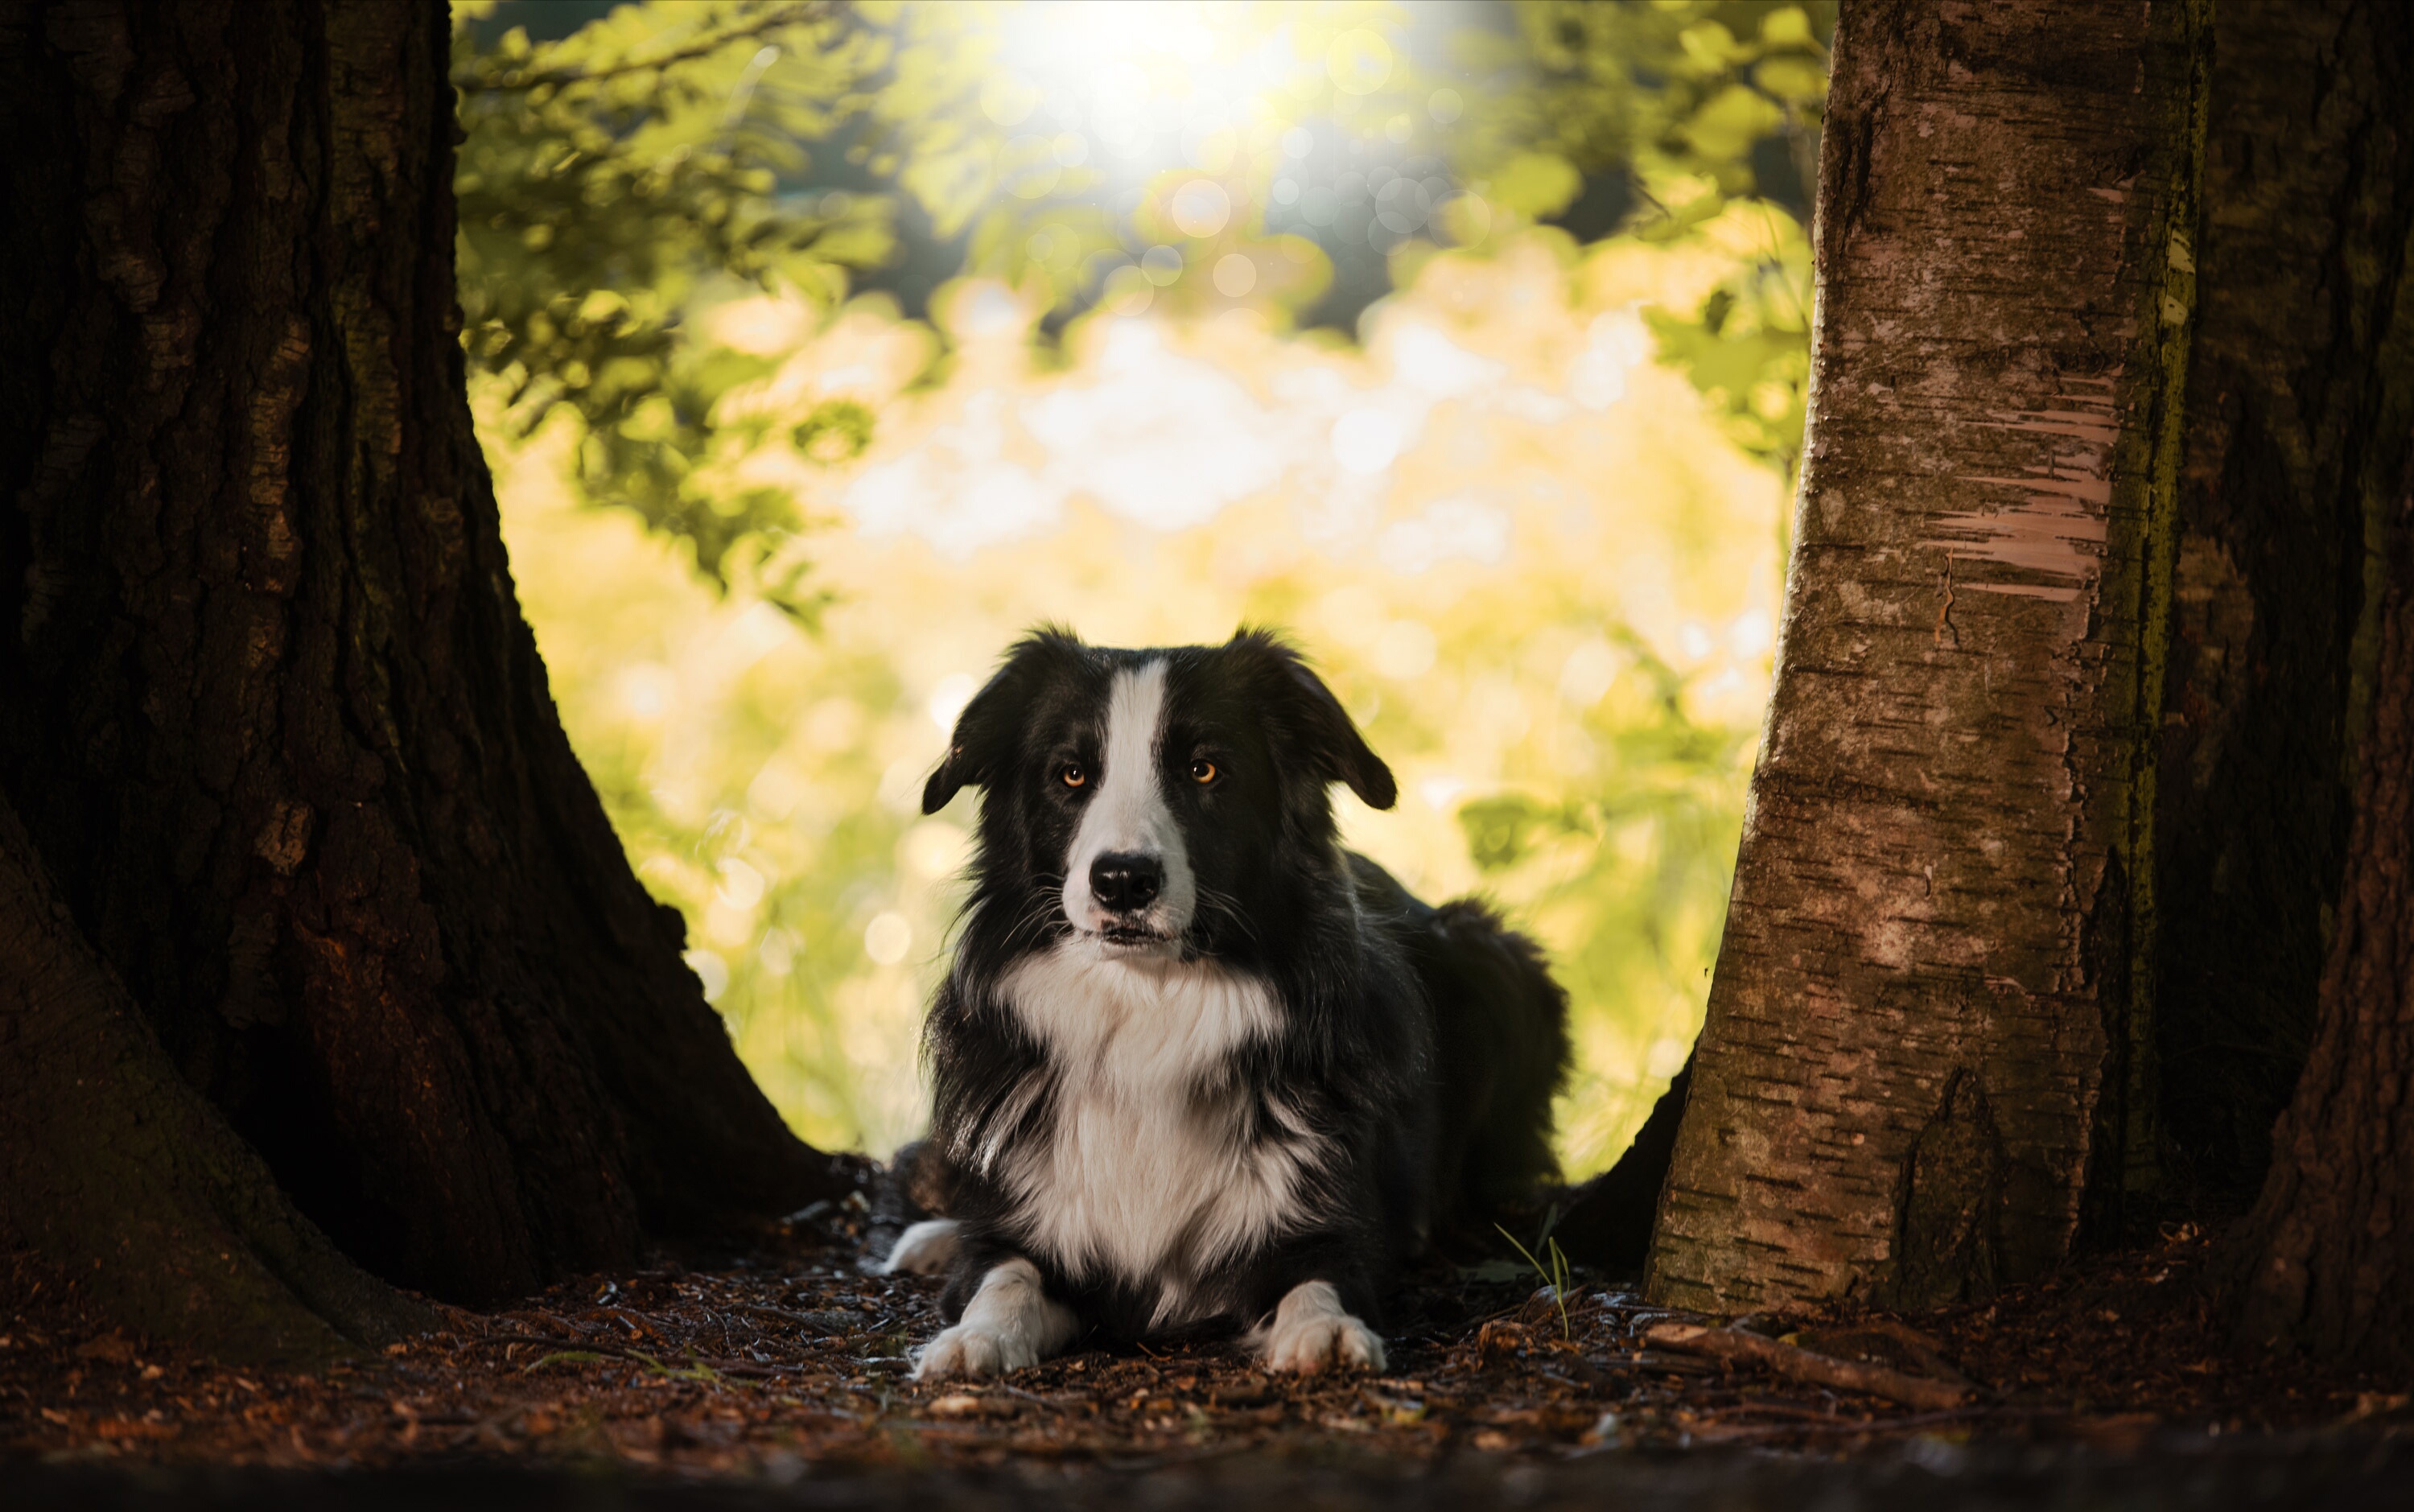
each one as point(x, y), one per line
point(948, 698)
point(741, 885)
point(1126, 292)
point(933, 849)
point(1161, 265)
point(1199, 208)
point(886, 939)
point(1235, 274)
point(1359, 61)
point(1052, 247)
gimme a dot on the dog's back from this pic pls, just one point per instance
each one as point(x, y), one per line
point(1499, 1049)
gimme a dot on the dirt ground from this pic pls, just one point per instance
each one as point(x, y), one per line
point(786, 1368)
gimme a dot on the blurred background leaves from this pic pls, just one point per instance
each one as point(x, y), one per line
point(820, 347)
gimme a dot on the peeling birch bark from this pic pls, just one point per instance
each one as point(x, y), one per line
point(1916, 1062)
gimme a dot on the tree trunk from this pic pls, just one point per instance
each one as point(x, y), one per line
point(2327, 1257)
point(270, 711)
point(116, 1170)
point(1922, 1049)
point(2296, 435)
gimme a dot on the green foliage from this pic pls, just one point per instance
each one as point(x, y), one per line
point(1690, 89)
point(609, 181)
point(628, 191)
point(1644, 849)
point(1694, 102)
point(1748, 346)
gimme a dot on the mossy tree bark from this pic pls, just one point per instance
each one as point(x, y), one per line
point(268, 709)
point(1920, 1058)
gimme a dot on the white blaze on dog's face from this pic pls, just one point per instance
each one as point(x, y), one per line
point(1127, 874)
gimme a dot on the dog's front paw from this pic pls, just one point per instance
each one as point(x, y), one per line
point(1011, 1324)
point(1319, 1342)
point(1311, 1331)
point(967, 1352)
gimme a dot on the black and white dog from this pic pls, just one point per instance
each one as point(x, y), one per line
point(1195, 1064)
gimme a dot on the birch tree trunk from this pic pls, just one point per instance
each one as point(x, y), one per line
point(268, 709)
point(1922, 1067)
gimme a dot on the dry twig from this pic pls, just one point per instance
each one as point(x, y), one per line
point(1733, 1347)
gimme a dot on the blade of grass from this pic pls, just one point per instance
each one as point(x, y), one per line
point(1554, 1276)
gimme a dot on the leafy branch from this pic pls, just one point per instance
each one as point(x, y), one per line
point(481, 78)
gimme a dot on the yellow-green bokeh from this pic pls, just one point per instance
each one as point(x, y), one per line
point(1530, 558)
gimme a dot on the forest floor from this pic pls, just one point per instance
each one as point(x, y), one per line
point(787, 1366)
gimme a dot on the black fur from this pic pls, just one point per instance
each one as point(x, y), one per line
point(1424, 1045)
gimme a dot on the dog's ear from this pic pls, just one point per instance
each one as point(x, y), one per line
point(956, 769)
point(987, 727)
point(1318, 722)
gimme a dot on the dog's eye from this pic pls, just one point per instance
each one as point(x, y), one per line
point(1202, 771)
point(1073, 775)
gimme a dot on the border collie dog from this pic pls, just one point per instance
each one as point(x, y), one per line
point(1196, 1066)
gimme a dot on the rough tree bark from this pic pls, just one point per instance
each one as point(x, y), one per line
point(2327, 1257)
point(2296, 434)
point(1922, 1046)
point(268, 709)
point(142, 1193)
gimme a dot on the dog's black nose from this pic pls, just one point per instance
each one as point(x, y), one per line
point(1122, 882)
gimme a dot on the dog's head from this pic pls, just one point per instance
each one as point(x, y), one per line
point(1159, 795)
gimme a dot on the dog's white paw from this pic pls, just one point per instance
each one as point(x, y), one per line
point(925, 1250)
point(1320, 1342)
point(1311, 1332)
point(1010, 1323)
point(966, 1352)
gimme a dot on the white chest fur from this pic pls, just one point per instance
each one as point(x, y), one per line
point(1142, 1179)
